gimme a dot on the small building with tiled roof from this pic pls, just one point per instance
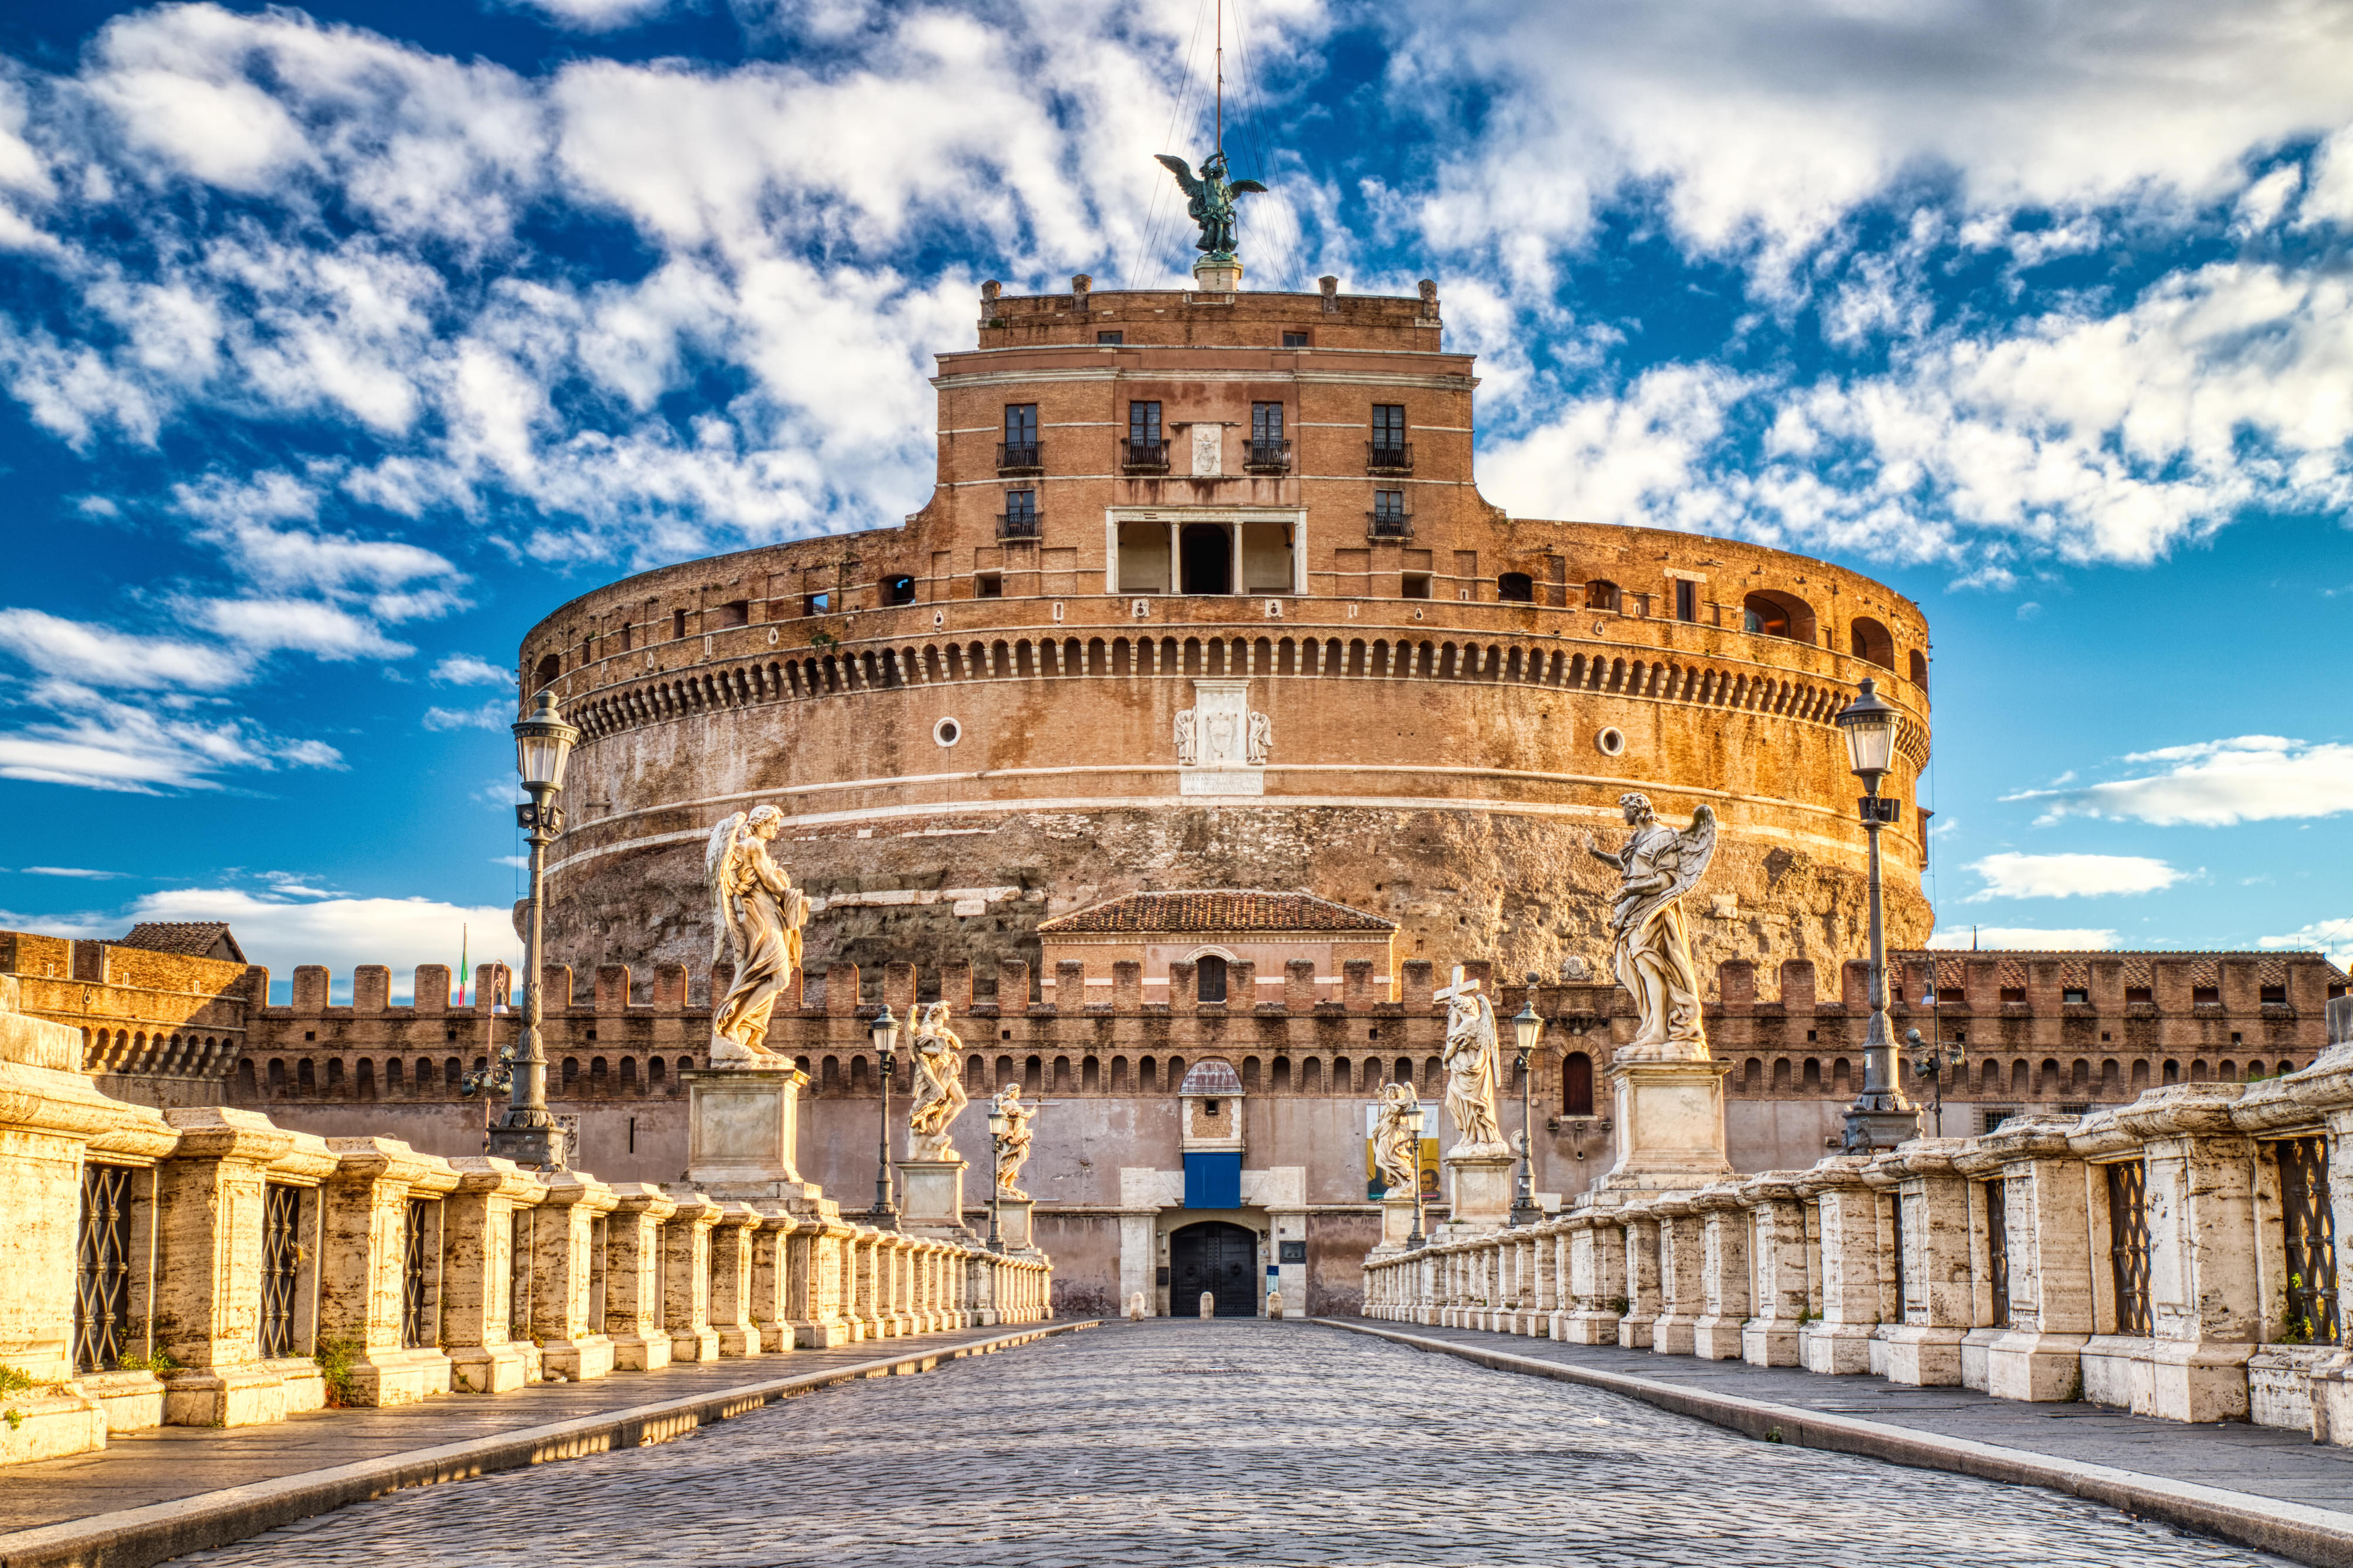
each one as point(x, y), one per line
point(193, 939)
point(1245, 945)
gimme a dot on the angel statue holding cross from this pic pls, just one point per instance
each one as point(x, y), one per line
point(1471, 1069)
point(1657, 866)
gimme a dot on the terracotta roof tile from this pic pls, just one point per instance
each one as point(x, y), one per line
point(196, 938)
point(1196, 912)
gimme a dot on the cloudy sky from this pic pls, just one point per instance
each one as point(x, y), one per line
point(337, 344)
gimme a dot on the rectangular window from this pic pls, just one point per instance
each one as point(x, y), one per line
point(1686, 599)
point(1295, 340)
point(1266, 423)
point(2205, 997)
point(987, 585)
point(625, 636)
point(1111, 339)
point(1417, 585)
point(2139, 996)
point(1021, 424)
point(1389, 507)
point(1388, 424)
point(816, 604)
point(1144, 424)
point(2075, 998)
point(1021, 506)
point(2275, 997)
point(678, 623)
point(733, 613)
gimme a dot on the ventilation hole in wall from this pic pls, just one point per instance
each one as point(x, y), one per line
point(1612, 742)
point(947, 732)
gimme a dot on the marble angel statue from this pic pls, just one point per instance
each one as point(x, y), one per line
point(940, 1098)
point(756, 914)
point(1396, 1148)
point(1013, 1149)
point(1470, 1072)
point(1652, 956)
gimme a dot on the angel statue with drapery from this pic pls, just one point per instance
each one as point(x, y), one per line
point(758, 913)
point(1657, 866)
point(1209, 201)
point(1470, 1060)
point(940, 1098)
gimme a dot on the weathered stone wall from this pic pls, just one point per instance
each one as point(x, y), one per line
point(160, 1028)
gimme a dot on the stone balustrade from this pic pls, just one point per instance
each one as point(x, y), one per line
point(2173, 1255)
point(204, 1266)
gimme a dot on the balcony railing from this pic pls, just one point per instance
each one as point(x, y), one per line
point(1016, 525)
point(1268, 458)
point(1388, 525)
point(1143, 457)
point(1018, 458)
point(1388, 456)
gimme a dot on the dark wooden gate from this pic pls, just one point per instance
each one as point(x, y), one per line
point(1220, 1258)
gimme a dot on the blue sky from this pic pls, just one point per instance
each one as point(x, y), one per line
point(336, 344)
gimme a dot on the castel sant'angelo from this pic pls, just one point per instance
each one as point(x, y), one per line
point(1207, 598)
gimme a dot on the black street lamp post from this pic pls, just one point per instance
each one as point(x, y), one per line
point(528, 1132)
point(884, 1214)
point(1880, 1118)
point(1412, 1124)
point(997, 1124)
point(1527, 1030)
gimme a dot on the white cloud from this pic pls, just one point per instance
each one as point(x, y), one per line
point(2212, 783)
point(498, 713)
point(594, 16)
point(465, 669)
point(2074, 939)
point(2015, 876)
point(96, 743)
point(73, 871)
point(305, 626)
point(92, 655)
point(280, 932)
point(2332, 937)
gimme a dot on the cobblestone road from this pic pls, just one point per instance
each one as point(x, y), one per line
point(1229, 1443)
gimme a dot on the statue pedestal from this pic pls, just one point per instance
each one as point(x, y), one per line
point(743, 1130)
point(1480, 1186)
point(1217, 274)
point(1669, 1121)
point(1397, 1219)
point(1013, 1223)
point(931, 1197)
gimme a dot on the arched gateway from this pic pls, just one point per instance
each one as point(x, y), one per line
point(1219, 1258)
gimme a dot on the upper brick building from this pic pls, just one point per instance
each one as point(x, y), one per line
point(1207, 596)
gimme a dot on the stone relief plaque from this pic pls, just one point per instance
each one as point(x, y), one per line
point(1221, 745)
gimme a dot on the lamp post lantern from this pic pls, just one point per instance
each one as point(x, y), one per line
point(885, 1216)
point(1412, 1124)
point(997, 1124)
point(1880, 1118)
point(1527, 1029)
point(528, 1132)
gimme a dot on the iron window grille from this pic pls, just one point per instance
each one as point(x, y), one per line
point(1143, 457)
point(2129, 1244)
point(415, 1327)
point(1019, 518)
point(1268, 458)
point(281, 1259)
point(1388, 518)
point(2310, 1232)
point(1996, 1202)
point(1391, 458)
point(1018, 451)
point(103, 1281)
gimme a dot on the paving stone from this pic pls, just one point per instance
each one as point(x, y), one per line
point(1231, 1442)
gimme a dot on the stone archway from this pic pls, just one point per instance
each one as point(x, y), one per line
point(1216, 1257)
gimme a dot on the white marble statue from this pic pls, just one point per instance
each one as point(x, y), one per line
point(756, 914)
point(1013, 1149)
point(1471, 1069)
point(1396, 1148)
point(1187, 741)
point(940, 1098)
point(1262, 738)
point(1653, 961)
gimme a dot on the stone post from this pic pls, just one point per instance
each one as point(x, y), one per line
point(1642, 1233)
point(772, 1280)
point(633, 1277)
point(1923, 1346)
point(686, 1277)
point(866, 1298)
point(731, 1280)
point(1546, 1249)
point(2048, 1225)
point(1848, 1212)
point(569, 1278)
point(1682, 1278)
point(1596, 1280)
point(212, 1196)
point(2203, 1304)
point(1783, 1292)
point(1723, 1271)
point(478, 1269)
point(366, 1288)
point(820, 1274)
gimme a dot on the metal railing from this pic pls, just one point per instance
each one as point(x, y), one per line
point(1389, 525)
point(1018, 458)
point(416, 1320)
point(103, 1278)
point(1388, 456)
point(281, 1259)
point(1017, 525)
point(1268, 458)
point(1143, 457)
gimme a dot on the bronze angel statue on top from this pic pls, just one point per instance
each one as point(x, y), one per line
point(1655, 869)
point(1210, 199)
point(757, 911)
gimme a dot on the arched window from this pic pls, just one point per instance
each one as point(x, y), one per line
point(1311, 1076)
point(1089, 1076)
point(549, 669)
point(1033, 1076)
point(1600, 595)
point(1340, 1075)
point(654, 1072)
point(1209, 977)
point(392, 1075)
point(628, 1074)
point(975, 1074)
point(1515, 588)
point(1146, 1079)
point(363, 1079)
point(1281, 1081)
point(1868, 640)
point(1119, 1084)
point(1577, 1084)
point(1767, 613)
point(1250, 1075)
point(245, 1084)
point(1919, 669)
point(451, 1071)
